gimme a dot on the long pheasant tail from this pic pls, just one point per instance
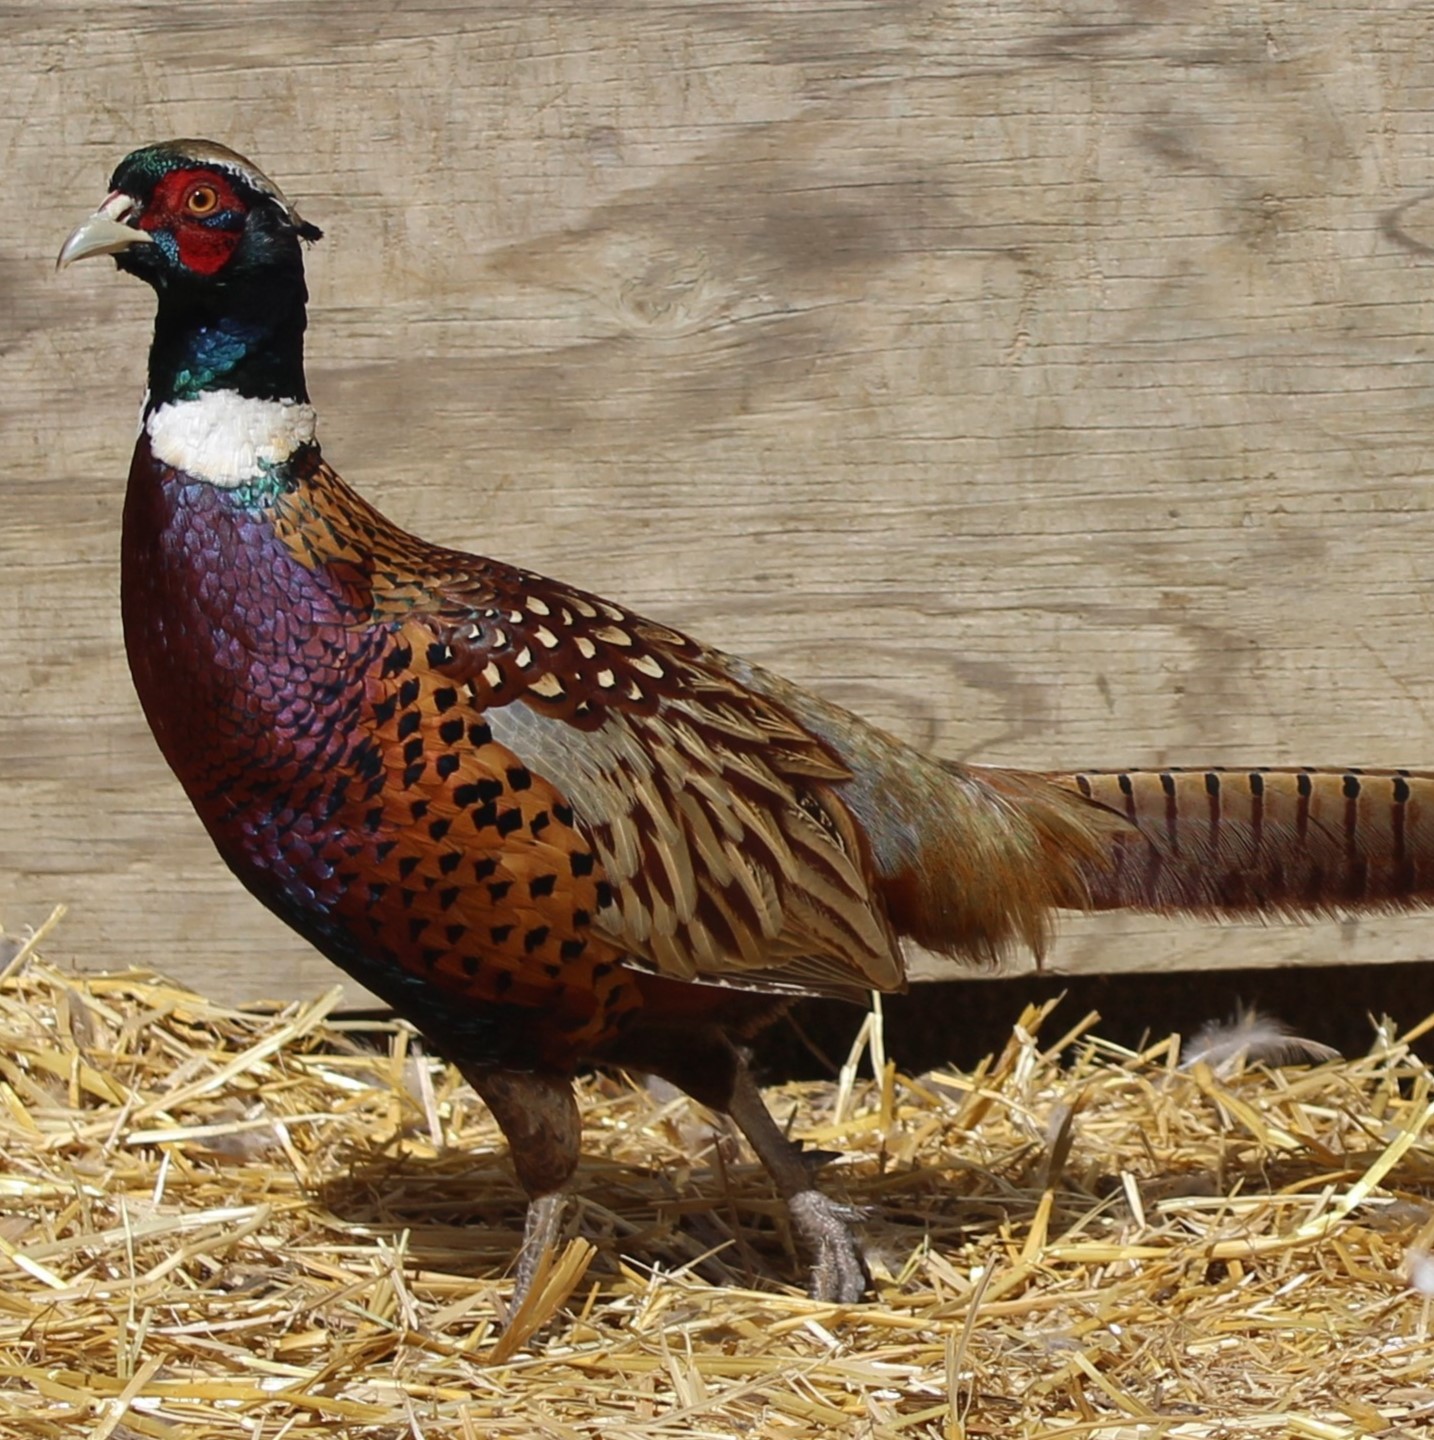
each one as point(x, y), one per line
point(1274, 841)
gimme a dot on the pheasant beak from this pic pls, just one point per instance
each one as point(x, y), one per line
point(104, 233)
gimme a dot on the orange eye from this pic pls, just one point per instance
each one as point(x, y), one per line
point(202, 200)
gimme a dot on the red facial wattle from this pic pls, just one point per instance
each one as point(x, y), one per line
point(204, 214)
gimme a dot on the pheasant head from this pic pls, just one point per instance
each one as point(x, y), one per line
point(221, 247)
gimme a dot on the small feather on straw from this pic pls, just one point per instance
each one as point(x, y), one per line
point(1248, 1035)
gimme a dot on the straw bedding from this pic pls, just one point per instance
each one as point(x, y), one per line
point(266, 1222)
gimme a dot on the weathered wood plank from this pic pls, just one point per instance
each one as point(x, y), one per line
point(1049, 385)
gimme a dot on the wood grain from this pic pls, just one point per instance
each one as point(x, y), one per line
point(1049, 384)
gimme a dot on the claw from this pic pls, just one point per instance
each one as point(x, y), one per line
point(839, 1273)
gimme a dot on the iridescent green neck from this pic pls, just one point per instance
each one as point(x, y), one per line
point(214, 352)
point(262, 493)
point(248, 339)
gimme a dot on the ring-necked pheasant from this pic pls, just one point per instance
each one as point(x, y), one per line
point(549, 831)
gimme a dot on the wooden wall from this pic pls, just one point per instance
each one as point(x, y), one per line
point(1051, 383)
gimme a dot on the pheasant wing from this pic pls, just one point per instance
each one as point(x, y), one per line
point(714, 814)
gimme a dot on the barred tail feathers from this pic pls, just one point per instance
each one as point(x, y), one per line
point(1284, 841)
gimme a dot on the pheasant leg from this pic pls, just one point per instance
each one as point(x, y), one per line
point(705, 1063)
point(541, 1227)
point(538, 1115)
point(839, 1273)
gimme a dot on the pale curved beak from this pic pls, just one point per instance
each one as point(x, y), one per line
point(104, 233)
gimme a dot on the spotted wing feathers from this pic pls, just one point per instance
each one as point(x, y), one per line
point(714, 814)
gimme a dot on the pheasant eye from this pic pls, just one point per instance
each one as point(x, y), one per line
point(202, 200)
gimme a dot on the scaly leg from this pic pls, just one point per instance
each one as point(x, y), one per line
point(839, 1273)
point(704, 1062)
point(538, 1115)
